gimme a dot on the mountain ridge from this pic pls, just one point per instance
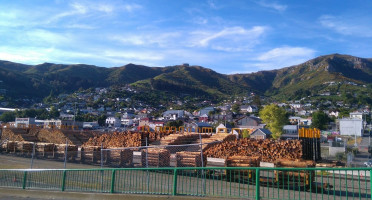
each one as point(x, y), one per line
point(22, 80)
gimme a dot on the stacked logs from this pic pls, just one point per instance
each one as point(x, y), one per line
point(10, 146)
point(268, 150)
point(223, 137)
point(241, 161)
point(123, 158)
point(60, 150)
point(44, 149)
point(296, 176)
point(25, 147)
point(118, 139)
point(90, 154)
point(157, 135)
point(178, 139)
point(190, 159)
point(155, 157)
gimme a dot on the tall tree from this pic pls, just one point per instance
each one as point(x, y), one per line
point(320, 120)
point(275, 118)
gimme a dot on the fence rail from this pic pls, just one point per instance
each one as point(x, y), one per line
point(226, 182)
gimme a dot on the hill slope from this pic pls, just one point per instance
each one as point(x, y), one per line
point(311, 77)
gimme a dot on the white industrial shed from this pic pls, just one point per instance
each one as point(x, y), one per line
point(351, 127)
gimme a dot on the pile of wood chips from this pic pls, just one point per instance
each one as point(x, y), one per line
point(268, 150)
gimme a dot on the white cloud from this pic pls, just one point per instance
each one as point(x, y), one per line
point(229, 39)
point(346, 26)
point(273, 5)
point(149, 39)
point(131, 7)
point(284, 57)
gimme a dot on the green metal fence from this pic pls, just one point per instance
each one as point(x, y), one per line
point(232, 182)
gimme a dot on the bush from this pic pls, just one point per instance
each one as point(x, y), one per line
point(340, 156)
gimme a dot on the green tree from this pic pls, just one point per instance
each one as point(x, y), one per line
point(53, 113)
point(275, 118)
point(236, 108)
point(8, 116)
point(320, 120)
point(176, 123)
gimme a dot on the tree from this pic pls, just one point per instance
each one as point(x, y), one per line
point(256, 101)
point(275, 118)
point(176, 123)
point(320, 120)
point(8, 116)
point(236, 108)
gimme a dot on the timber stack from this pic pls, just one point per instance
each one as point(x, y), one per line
point(118, 139)
point(302, 177)
point(44, 150)
point(60, 150)
point(241, 161)
point(90, 154)
point(268, 150)
point(122, 158)
point(190, 159)
point(155, 157)
point(219, 137)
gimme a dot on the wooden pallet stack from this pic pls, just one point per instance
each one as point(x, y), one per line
point(241, 161)
point(302, 177)
point(155, 157)
point(190, 159)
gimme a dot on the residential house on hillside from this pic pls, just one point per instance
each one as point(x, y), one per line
point(248, 109)
point(173, 114)
point(261, 134)
point(222, 126)
point(224, 116)
point(249, 122)
point(204, 118)
point(205, 111)
point(113, 122)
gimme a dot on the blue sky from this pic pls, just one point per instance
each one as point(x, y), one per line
point(239, 36)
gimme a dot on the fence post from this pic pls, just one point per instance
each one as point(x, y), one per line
point(257, 184)
point(64, 164)
point(63, 180)
point(113, 181)
point(24, 180)
point(175, 182)
point(32, 155)
point(370, 183)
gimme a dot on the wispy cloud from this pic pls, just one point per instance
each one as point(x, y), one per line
point(346, 26)
point(229, 38)
point(284, 57)
point(272, 5)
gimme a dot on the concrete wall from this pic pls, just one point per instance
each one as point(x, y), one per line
point(334, 150)
point(351, 127)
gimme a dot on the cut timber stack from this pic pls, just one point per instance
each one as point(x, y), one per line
point(17, 134)
point(53, 136)
point(178, 139)
point(25, 147)
point(190, 159)
point(302, 177)
point(10, 146)
point(242, 176)
point(122, 158)
point(223, 137)
point(90, 154)
point(60, 150)
point(155, 157)
point(156, 136)
point(268, 150)
point(122, 139)
point(44, 149)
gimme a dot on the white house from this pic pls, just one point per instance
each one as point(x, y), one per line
point(351, 127)
point(356, 115)
point(24, 122)
point(113, 122)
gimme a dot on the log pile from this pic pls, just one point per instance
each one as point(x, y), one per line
point(155, 157)
point(13, 134)
point(60, 150)
point(123, 158)
point(116, 139)
point(157, 135)
point(296, 176)
point(10, 146)
point(52, 136)
point(25, 147)
point(223, 137)
point(178, 139)
point(90, 154)
point(190, 159)
point(268, 150)
point(44, 149)
point(241, 161)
